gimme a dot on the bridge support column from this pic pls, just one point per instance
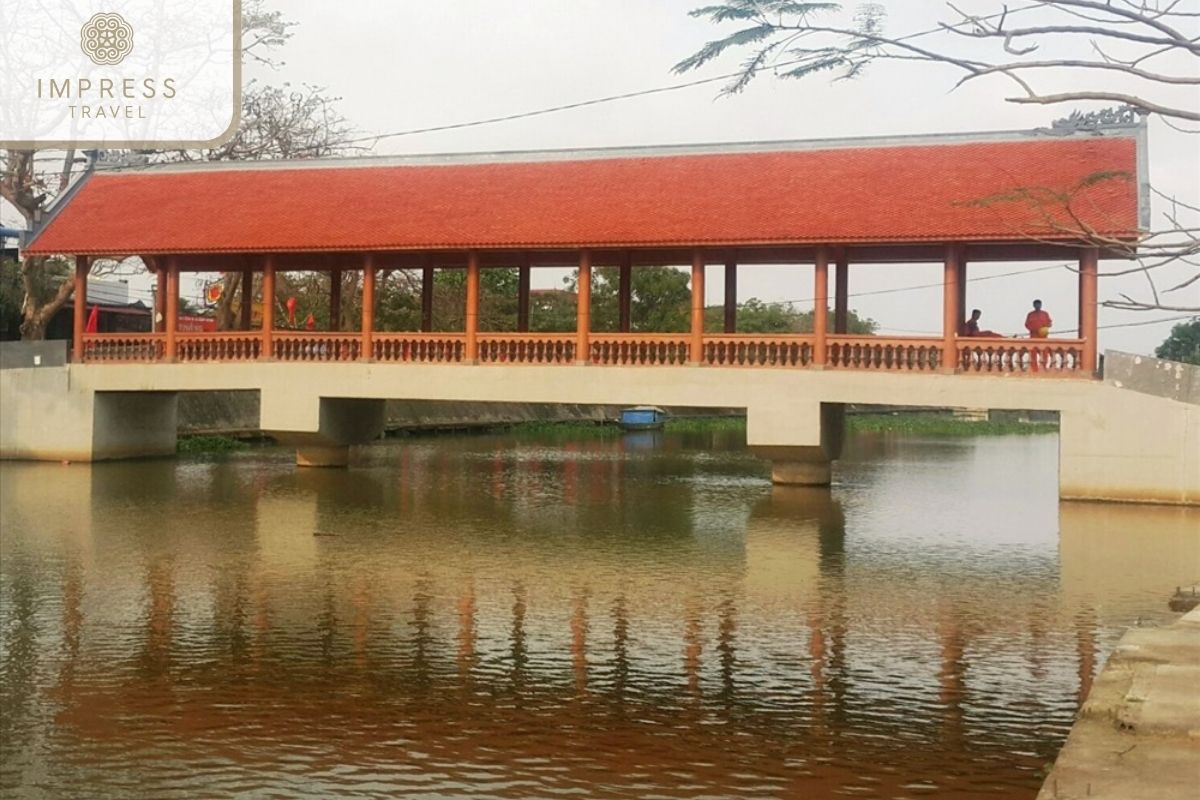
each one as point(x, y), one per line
point(1089, 268)
point(800, 441)
point(322, 439)
point(821, 307)
point(951, 313)
point(696, 346)
point(79, 308)
point(583, 307)
point(841, 292)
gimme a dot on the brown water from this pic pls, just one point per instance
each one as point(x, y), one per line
point(520, 617)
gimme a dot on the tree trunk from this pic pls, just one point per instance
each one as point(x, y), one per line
point(229, 282)
point(36, 317)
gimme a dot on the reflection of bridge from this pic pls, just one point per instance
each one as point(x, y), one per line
point(440, 631)
point(845, 203)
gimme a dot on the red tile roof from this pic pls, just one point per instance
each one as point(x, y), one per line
point(969, 192)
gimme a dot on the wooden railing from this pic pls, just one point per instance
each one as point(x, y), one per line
point(884, 353)
point(1053, 358)
point(526, 348)
point(115, 347)
point(758, 350)
point(975, 356)
point(638, 349)
point(419, 348)
point(219, 346)
point(316, 346)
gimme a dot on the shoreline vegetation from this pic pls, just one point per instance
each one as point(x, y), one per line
point(908, 424)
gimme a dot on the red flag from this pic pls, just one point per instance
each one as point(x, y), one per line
point(93, 323)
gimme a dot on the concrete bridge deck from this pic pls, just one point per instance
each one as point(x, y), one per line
point(1115, 444)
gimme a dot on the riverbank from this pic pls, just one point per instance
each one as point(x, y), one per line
point(1138, 733)
point(918, 424)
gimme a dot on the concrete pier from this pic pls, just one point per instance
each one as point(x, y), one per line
point(1138, 733)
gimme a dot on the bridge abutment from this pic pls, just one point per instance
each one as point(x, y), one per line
point(323, 438)
point(801, 440)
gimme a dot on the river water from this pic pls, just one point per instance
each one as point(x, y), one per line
point(540, 616)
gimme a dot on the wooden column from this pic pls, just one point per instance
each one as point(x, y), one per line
point(79, 308)
point(625, 293)
point(267, 349)
point(247, 306)
point(367, 349)
point(1089, 272)
point(731, 296)
point(523, 275)
point(335, 300)
point(951, 314)
point(821, 306)
point(962, 288)
point(427, 296)
point(171, 346)
point(471, 347)
point(841, 292)
point(696, 346)
point(583, 307)
point(160, 296)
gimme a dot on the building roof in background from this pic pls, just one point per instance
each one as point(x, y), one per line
point(999, 188)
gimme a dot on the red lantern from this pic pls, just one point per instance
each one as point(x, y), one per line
point(291, 309)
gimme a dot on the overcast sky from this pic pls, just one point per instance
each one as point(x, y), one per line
point(403, 65)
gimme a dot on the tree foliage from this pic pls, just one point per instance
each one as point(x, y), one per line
point(1183, 343)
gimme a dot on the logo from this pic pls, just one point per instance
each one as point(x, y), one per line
point(106, 39)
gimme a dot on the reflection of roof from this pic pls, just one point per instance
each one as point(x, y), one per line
point(902, 190)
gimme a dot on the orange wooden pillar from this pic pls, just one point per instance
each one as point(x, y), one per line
point(730, 295)
point(696, 346)
point(267, 349)
point(247, 299)
point(367, 349)
point(583, 308)
point(841, 292)
point(951, 313)
point(170, 349)
point(471, 345)
point(523, 277)
point(821, 306)
point(79, 308)
point(1089, 272)
point(335, 300)
point(625, 293)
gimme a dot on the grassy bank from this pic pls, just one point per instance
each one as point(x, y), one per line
point(209, 444)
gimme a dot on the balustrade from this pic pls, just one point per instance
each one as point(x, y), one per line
point(218, 346)
point(314, 346)
point(1030, 357)
point(117, 347)
point(882, 353)
point(753, 350)
point(419, 348)
point(639, 349)
point(526, 348)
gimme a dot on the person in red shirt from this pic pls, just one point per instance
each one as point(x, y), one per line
point(1038, 322)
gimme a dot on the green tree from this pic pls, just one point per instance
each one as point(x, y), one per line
point(1183, 344)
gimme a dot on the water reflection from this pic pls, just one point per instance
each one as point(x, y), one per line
point(500, 616)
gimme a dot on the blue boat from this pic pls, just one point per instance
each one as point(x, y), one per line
point(643, 418)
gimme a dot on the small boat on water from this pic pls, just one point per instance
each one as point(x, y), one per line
point(643, 418)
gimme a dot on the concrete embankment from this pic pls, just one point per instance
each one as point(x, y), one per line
point(237, 412)
point(1137, 736)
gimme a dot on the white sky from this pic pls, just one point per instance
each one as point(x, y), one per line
point(403, 65)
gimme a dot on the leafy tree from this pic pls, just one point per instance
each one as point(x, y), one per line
point(1183, 343)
